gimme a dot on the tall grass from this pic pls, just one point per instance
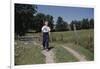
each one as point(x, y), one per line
point(28, 54)
point(83, 38)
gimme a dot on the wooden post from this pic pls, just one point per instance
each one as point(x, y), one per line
point(69, 27)
point(50, 36)
point(76, 34)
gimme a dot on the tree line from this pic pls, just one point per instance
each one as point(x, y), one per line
point(28, 18)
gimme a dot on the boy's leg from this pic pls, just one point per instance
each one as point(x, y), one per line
point(47, 43)
point(43, 44)
point(43, 41)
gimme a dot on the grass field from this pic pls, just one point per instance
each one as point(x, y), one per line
point(83, 42)
point(28, 54)
point(84, 38)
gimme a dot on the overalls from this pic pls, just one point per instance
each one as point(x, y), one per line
point(45, 40)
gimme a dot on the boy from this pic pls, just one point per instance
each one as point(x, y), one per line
point(46, 32)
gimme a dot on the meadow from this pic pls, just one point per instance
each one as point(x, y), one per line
point(82, 41)
point(84, 38)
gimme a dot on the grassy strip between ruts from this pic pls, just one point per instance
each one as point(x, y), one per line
point(28, 54)
point(62, 55)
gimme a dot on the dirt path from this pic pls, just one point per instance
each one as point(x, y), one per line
point(79, 56)
point(49, 56)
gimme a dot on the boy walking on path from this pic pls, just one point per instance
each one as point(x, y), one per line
point(46, 32)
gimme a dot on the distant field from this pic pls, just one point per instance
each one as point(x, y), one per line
point(26, 52)
point(84, 38)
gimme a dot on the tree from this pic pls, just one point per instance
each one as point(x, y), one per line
point(71, 25)
point(61, 25)
point(85, 24)
point(65, 26)
point(24, 18)
point(39, 21)
point(91, 23)
point(49, 18)
point(77, 24)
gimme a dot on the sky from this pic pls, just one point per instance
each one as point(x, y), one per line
point(67, 13)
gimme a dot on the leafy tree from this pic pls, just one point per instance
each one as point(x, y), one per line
point(61, 25)
point(85, 24)
point(65, 26)
point(77, 24)
point(38, 21)
point(24, 18)
point(71, 25)
point(91, 23)
point(49, 18)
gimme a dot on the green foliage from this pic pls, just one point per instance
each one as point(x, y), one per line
point(23, 18)
point(39, 20)
point(83, 24)
point(49, 18)
point(61, 25)
point(91, 23)
point(77, 24)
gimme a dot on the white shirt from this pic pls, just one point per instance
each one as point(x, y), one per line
point(45, 29)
